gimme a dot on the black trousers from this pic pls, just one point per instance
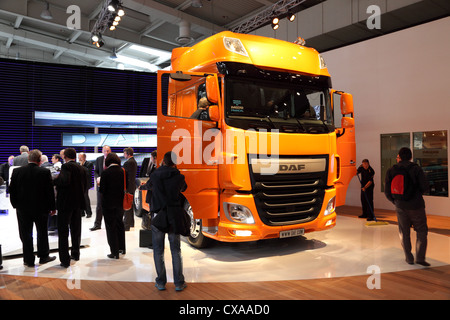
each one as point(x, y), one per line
point(26, 219)
point(69, 222)
point(367, 203)
point(98, 211)
point(88, 205)
point(115, 230)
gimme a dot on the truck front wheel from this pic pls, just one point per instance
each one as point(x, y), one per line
point(196, 239)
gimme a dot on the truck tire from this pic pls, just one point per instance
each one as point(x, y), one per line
point(196, 239)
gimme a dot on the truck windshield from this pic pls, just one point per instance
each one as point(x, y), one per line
point(286, 106)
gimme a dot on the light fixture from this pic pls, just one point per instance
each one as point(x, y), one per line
point(108, 18)
point(275, 20)
point(197, 3)
point(100, 43)
point(46, 14)
point(291, 16)
point(113, 5)
point(275, 26)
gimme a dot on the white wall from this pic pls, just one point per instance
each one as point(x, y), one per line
point(400, 83)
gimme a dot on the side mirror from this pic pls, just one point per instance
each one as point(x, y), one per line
point(347, 122)
point(212, 89)
point(346, 103)
point(213, 112)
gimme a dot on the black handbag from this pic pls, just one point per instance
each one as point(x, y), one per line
point(179, 220)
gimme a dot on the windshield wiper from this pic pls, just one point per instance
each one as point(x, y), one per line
point(300, 125)
point(271, 122)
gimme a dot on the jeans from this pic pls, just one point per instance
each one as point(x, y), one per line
point(158, 255)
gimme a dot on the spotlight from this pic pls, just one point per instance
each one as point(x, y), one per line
point(121, 12)
point(275, 20)
point(112, 28)
point(275, 26)
point(117, 18)
point(95, 38)
point(99, 43)
point(291, 17)
point(113, 5)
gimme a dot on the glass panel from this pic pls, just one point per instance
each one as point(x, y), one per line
point(430, 151)
point(390, 144)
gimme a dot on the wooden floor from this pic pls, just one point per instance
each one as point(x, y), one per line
point(422, 284)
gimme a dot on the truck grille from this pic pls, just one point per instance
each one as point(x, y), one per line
point(290, 198)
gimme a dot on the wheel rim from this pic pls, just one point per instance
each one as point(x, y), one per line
point(196, 224)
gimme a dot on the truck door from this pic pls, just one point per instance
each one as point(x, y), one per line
point(345, 144)
point(186, 128)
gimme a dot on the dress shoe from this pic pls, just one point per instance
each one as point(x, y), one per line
point(94, 228)
point(423, 263)
point(29, 265)
point(362, 216)
point(64, 265)
point(113, 256)
point(88, 216)
point(47, 259)
point(122, 251)
point(74, 258)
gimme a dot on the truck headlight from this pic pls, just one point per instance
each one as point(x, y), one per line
point(331, 206)
point(238, 213)
point(234, 45)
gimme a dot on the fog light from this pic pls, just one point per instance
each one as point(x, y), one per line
point(243, 233)
point(331, 206)
point(238, 213)
point(329, 223)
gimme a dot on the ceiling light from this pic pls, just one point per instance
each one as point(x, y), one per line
point(100, 43)
point(117, 18)
point(95, 38)
point(46, 14)
point(121, 12)
point(291, 16)
point(275, 20)
point(197, 3)
point(113, 5)
point(275, 26)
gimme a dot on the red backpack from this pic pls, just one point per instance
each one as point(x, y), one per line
point(402, 185)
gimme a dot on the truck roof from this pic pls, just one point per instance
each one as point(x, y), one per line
point(263, 52)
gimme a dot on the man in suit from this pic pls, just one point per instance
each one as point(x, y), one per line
point(32, 194)
point(98, 169)
point(130, 167)
point(22, 160)
point(70, 188)
point(89, 166)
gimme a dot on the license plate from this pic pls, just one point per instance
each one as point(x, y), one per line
point(292, 233)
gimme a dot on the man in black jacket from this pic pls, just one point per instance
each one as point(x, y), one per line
point(32, 194)
point(89, 166)
point(166, 184)
point(410, 212)
point(70, 188)
point(367, 186)
point(98, 169)
point(130, 167)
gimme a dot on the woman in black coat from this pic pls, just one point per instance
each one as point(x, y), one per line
point(112, 190)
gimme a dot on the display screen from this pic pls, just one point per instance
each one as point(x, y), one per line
point(110, 139)
point(58, 119)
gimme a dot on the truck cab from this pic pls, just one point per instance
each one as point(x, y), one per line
point(252, 121)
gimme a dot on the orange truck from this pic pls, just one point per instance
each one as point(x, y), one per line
point(266, 146)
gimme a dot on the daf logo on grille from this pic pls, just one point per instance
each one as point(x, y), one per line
point(292, 167)
point(288, 166)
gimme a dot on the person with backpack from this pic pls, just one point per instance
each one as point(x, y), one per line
point(405, 185)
